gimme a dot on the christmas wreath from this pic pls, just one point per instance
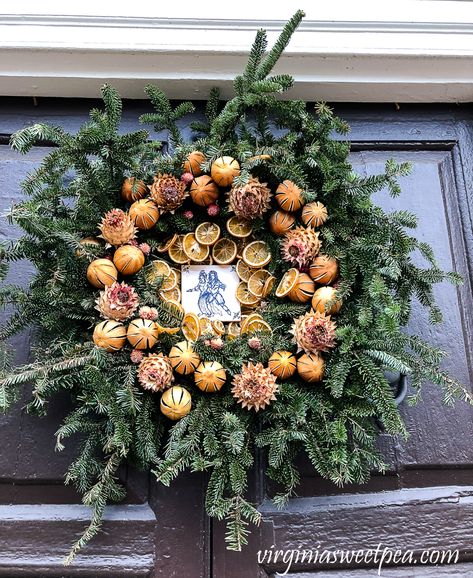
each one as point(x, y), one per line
point(204, 300)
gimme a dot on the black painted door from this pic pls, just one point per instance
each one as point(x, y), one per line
point(424, 500)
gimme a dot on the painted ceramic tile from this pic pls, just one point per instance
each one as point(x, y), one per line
point(210, 291)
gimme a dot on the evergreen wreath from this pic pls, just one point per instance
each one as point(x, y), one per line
point(264, 186)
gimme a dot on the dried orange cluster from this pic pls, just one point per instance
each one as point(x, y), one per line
point(127, 320)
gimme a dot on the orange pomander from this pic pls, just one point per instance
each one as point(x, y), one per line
point(224, 170)
point(311, 367)
point(128, 259)
point(204, 191)
point(176, 402)
point(322, 296)
point(289, 196)
point(281, 222)
point(210, 376)
point(144, 213)
point(142, 333)
point(101, 272)
point(133, 190)
point(314, 214)
point(324, 270)
point(109, 335)
point(193, 162)
point(282, 364)
point(303, 289)
point(183, 358)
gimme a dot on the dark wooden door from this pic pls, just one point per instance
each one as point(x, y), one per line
point(159, 531)
point(424, 501)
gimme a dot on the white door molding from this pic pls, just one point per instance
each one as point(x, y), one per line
point(424, 55)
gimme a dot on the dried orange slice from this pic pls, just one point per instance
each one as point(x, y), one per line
point(257, 282)
point(207, 233)
point(168, 330)
point(206, 327)
point(156, 270)
point(233, 330)
point(244, 296)
point(239, 227)
point(247, 318)
point(224, 251)
point(218, 327)
point(169, 282)
point(172, 295)
point(287, 283)
point(166, 244)
point(178, 273)
point(193, 249)
point(243, 271)
point(268, 286)
point(191, 327)
point(257, 254)
point(176, 251)
point(256, 325)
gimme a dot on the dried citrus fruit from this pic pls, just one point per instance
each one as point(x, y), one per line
point(166, 244)
point(256, 325)
point(172, 295)
point(193, 249)
point(175, 308)
point(178, 273)
point(287, 282)
point(168, 330)
point(240, 228)
point(191, 327)
point(224, 251)
point(247, 318)
point(257, 282)
point(206, 326)
point(268, 286)
point(243, 271)
point(218, 327)
point(176, 251)
point(207, 233)
point(169, 282)
point(233, 330)
point(157, 270)
point(244, 296)
point(257, 254)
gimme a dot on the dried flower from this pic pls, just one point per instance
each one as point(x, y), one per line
point(213, 210)
point(150, 313)
point(167, 192)
point(187, 178)
point(145, 248)
point(118, 302)
point(136, 356)
point(251, 200)
point(255, 387)
point(155, 372)
point(313, 332)
point(117, 228)
point(254, 343)
point(300, 246)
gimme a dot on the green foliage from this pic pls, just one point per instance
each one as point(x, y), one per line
point(333, 423)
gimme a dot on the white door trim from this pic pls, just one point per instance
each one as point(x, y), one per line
point(425, 54)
